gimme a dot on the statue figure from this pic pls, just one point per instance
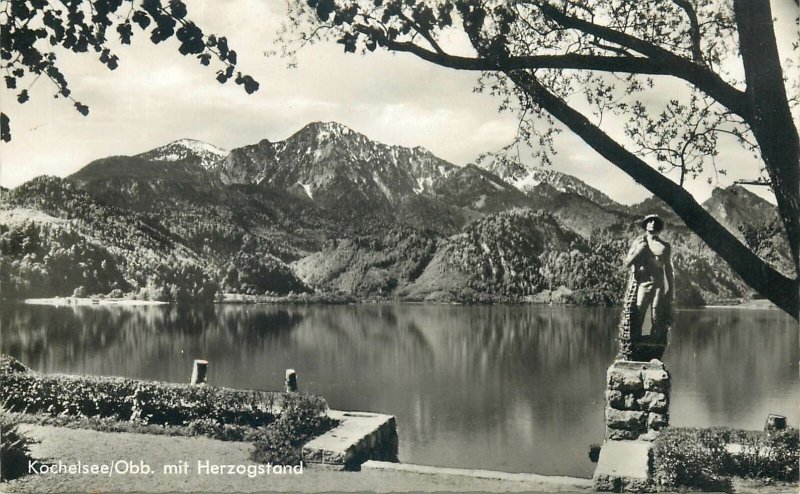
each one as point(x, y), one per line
point(647, 308)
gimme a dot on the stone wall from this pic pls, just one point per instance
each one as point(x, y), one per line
point(637, 400)
point(360, 436)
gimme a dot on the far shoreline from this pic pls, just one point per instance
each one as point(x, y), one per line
point(69, 301)
point(243, 299)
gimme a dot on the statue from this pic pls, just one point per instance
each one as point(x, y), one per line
point(647, 308)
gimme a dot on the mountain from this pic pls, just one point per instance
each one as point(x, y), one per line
point(735, 205)
point(141, 183)
point(654, 205)
point(369, 266)
point(188, 251)
point(755, 221)
point(510, 256)
point(330, 210)
point(205, 154)
point(478, 190)
point(584, 216)
point(528, 179)
point(336, 167)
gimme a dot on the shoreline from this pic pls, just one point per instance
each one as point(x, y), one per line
point(242, 299)
point(70, 301)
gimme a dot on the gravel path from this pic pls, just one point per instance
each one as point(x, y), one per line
point(71, 446)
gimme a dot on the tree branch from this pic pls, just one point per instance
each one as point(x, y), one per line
point(425, 34)
point(753, 270)
point(694, 28)
point(704, 78)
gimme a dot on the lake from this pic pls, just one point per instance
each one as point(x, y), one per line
point(509, 387)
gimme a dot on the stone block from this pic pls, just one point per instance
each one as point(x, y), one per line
point(637, 485)
point(622, 434)
point(623, 466)
point(615, 399)
point(625, 419)
point(657, 421)
point(622, 378)
point(656, 379)
point(649, 436)
point(622, 401)
point(653, 401)
point(358, 437)
point(312, 455)
point(333, 457)
point(607, 483)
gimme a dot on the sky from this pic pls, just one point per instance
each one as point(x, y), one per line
point(157, 96)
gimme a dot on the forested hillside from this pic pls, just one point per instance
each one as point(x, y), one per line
point(330, 211)
point(97, 248)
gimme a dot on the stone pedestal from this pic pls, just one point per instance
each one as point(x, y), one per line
point(624, 466)
point(637, 400)
point(637, 408)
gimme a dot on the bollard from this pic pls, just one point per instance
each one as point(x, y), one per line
point(775, 423)
point(290, 385)
point(199, 372)
point(594, 452)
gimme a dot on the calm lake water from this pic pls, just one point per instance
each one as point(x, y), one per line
point(512, 388)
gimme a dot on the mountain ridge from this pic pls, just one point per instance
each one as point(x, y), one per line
point(328, 209)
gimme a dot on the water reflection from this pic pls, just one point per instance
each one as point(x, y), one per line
point(513, 388)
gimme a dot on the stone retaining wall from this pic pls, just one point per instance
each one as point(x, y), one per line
point(637, 400)
point(360, 436)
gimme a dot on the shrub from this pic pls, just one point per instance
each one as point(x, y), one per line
point(14, 449)
point(10, 365)
point(214, 430)
point(701, 458)
point(690, 458)
point(774, 456)
point(141, 401)
point(206, 408)
point(282, 441)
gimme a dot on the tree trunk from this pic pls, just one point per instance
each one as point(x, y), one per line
point(772, 122)
point(753, 270)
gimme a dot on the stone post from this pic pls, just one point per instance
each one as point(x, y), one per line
point(290, 384)
point(775, 423)
point(199, 372)
point(637, 400)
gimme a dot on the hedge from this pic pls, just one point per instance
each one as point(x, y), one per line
point(702, 458)
point(145, 402)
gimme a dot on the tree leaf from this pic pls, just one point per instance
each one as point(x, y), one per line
point(177, 8)
point(5, 127)
point(82, 109)
point(141, 18)
point(125, 32)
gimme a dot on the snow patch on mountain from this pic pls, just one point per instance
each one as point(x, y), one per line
point(307, 189)
point(526, 178)
point(496, 185)
point(201, 147)
point(207, 154)
point(527, 182)
point(423, 183)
